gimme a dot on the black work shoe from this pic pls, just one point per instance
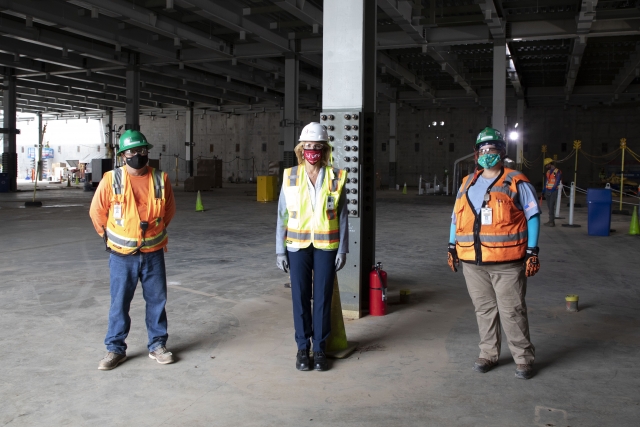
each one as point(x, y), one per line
point(302, 360)
point(320, 361)
point(484, 365)
point(524, 372)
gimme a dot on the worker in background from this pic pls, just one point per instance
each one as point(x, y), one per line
point(131, 210)
point(312, 240)
point(552, 178)
point(494, 232)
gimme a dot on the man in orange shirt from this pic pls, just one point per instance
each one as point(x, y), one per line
point(131, 210)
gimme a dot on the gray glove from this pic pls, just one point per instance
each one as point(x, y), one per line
point(282, 262)
point(341, 260)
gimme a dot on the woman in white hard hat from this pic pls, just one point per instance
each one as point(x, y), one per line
point(312, 240)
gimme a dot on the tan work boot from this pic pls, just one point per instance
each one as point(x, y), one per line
point(524, 372)
point(484, 365)
point(111, 360)
point(162, 356)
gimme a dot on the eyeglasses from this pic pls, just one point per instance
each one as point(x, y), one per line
point(133, 151)
point(310, 146)
point(488, 151)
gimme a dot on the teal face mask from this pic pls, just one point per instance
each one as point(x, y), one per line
point(487, 161)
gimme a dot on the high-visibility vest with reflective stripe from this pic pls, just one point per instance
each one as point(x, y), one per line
point(306, 226)
point(506, 238)
point(124, 235)
point(551, 178)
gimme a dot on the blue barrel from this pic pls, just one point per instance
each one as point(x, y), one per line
point(5, 185)
point(599, 201)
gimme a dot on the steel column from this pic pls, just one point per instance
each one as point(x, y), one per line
point(189, 140)
point(39, 165)
point(290, 122)
point(348, 99)
point(133, 93)
point(10, 154)
point(520, 130)
point(393, 166)
point(499, 84)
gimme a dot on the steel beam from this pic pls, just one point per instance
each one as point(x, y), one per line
point(407, 77)
point(10, 154)
point(133, 94)
point(499, 85)
point(585, 20)
point(290, 120)
point(628, 73)
point(302, 10)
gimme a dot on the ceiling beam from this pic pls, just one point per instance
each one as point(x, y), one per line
point(302, 10)
point(628, 73)
point(585, 20)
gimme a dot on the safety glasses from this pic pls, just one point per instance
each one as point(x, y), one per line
point(133, 151)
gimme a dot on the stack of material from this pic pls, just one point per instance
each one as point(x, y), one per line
point(211, 168)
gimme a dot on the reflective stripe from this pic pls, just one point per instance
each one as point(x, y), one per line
point(121, 241)
point(298, 235)
point(116, 182)
point(158, 183)
point(331, 236)
point(503, 238)
point(464, 238)
point(504, 190)
point(509, 177)
point(152, 241)
point(293, 177)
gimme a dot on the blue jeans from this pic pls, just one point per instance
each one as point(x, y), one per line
point(125, 271)
point(312, 273)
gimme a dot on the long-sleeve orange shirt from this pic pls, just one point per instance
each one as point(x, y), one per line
point(101, 203)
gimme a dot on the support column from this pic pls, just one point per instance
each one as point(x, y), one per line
point(39, 164)
point(393, 165)
point(349, 100)
point(10, 154)
point(520, 130)
point(189, 140)
point(133, 93)
point(290, 121)
point(499, 84)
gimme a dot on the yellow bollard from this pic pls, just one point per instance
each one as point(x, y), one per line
point(634, 228)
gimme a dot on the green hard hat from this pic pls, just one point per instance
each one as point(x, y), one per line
point(489, 136)
point(132, 139)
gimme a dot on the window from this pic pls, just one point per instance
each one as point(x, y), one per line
point(563, 147)
point(417, 147)
point(451, 147)
point(384, 146)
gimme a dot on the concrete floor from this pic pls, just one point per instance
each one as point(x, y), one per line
point(230, 325)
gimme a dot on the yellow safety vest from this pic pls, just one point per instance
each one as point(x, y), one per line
point(124, 234)
point(320, 228)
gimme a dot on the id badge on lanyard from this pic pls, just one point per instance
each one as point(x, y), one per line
point(486, 216)
point(331, 203)
point(117, 211)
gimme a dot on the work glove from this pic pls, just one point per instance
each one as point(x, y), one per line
point(282, 262)
point(341, 260)
point(531, 263)
point(452, 258)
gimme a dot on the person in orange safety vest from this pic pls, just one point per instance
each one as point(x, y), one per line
point(494, 232)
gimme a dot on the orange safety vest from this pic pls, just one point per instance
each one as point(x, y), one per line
point(551, 178)
point(506, 238)
point(306, 226)
point(124, 234)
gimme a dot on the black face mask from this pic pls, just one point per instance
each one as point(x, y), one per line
point(137, 161)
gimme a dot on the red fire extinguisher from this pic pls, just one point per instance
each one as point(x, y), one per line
point(377, 291)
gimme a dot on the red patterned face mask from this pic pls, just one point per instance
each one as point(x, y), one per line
point(313, 156)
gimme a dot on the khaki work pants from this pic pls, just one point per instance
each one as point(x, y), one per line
point(498, 292)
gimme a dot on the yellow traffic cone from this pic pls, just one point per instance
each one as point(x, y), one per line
point(634, 228)
point(337, 345)
point(404, 189)
point(199, 207)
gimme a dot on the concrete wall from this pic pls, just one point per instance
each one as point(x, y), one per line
point(542, 126)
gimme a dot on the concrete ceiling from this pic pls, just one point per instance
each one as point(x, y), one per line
point(228, 55)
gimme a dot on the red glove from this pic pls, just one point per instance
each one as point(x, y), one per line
point(531, 263)
point(452, 258)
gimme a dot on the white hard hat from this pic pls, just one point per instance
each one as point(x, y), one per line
point(314, 132)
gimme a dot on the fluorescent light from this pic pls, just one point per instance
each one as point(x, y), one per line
point(513, 135)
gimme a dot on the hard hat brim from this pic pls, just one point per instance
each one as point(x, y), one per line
point(136, 145)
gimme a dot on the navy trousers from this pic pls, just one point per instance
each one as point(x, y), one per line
point(312, 274)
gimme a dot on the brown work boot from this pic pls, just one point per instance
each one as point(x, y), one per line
point(111, 360)
point(524, 372)
point(484, 365)
point(162, 356)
